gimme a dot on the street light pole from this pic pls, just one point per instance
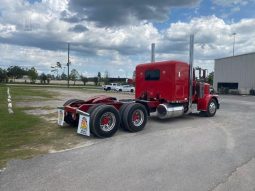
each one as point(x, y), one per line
point(234, 34)
point(68, 63)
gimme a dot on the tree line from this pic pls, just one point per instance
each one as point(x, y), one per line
point(17, 72)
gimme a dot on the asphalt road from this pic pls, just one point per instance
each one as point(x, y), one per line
point(187, 153)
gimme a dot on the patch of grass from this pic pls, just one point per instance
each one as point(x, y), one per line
point(42, 108)
point(16, 129)
point(26, 92)
point(22, 135)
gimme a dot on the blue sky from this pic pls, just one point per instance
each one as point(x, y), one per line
point(115, 36)
point(229, 13)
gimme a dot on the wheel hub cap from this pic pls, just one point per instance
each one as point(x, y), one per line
point(107, 121)
point(137, 118)
point(212, 107)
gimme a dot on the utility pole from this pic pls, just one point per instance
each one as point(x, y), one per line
point(234, 34)
point(68, 63)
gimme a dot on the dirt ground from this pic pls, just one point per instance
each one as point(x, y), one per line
point(47, 110)
point(66, 94)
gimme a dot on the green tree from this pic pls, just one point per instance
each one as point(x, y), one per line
point(43, 78)
point(210, 78)
point(15, 72)
point(106, 77)
point(84, 79)
point(32, 74)
point(74, 75)
point(49, 76)
point(63, 76)
point(99, 76)
point(3, 76)
point(95, 79)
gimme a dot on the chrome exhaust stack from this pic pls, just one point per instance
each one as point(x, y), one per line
point(165, 111)
point(152, 52)
point(191, 58)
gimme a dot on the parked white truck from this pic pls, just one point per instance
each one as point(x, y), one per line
point(111, 86)
point(125, 88)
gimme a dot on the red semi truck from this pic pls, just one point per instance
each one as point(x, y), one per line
point(166, 88)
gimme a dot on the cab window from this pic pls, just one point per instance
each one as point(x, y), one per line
point(152, 75)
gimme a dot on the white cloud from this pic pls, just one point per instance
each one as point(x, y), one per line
point(28, 57)
point(23, 14)
point(231, 2)
point(213, 38)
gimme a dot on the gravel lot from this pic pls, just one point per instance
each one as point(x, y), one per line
point(186, 153)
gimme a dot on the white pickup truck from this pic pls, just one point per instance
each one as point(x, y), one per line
point(125, 88)
point(111, 86)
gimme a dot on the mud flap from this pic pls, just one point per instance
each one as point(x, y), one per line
point(83, 126)
point(61, 116)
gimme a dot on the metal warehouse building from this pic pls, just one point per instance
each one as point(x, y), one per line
point(235, 72)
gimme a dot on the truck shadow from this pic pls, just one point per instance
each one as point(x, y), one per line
point(176, 119)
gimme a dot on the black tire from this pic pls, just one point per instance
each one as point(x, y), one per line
point(211, 108)
point(69, 120)
point(71, 101)
point(120, 90)
point(108, 89)
point(96, 119)
point(128, 114)
point(92, 108)
point(121, 111)
point(131, 90)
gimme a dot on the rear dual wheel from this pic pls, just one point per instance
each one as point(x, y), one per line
point(133, 117)
point(104, 120)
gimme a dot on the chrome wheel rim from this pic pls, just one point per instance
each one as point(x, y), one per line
point(137, 118)
point(212, 107)
point(107, 121)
